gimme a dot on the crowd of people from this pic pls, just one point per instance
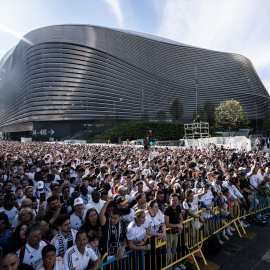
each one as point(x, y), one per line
point(64, 206)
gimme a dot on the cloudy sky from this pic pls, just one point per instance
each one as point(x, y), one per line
point(236, 26)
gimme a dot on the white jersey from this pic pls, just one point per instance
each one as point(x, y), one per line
point(55, 241)
point(77, 222)
point(154, 223)
point(10, 213)
point(32, 256)
point(74, 259)
point(59, 265)
point(255, 180)
point(192, 206)
point(207, 198)
point(136, 233)
point(98, 206)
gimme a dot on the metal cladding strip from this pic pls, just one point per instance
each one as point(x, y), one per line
point(79, 72)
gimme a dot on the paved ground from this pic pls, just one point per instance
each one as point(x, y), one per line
point(249, 252)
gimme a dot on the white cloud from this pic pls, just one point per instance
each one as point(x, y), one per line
point(116, 8)
point(226, 25)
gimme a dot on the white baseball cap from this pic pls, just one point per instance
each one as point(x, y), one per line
point(78, 201)
point(40, 185)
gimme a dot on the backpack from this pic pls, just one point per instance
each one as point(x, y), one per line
point(211, 246)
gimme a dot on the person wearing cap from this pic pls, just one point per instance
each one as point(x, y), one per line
point(40, 188)
point(96, 202)
point(9, 207)
point(122, 191)
point(127, 213)
point(113, 239)
point(77, 218)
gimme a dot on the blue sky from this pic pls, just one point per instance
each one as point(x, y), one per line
point(236, 26)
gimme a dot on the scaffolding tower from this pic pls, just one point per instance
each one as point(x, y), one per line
point(197, 130)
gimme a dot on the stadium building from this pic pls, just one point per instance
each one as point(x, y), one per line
point(61, 80)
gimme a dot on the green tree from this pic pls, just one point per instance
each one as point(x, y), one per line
point(161, 116)
point(209, 112)
point(176, 109)
point(230, 115)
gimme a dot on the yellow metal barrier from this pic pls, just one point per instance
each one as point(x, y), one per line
point(180, 248)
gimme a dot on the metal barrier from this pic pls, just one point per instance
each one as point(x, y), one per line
point(262, 206)
point(133, 260)
point(185, 246)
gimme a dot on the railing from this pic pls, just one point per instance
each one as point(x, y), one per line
point(180, 248)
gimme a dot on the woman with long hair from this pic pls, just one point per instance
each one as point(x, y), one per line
point(91, 221)
point(18, 238)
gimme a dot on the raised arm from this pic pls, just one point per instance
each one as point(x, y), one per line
point(102, 218)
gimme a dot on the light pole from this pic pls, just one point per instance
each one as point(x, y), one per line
point(114, 111)
point(196, 89)
point(256, 118)
point(142, 102)
point(114, 114)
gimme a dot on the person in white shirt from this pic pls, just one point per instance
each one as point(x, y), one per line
point(50, 261)
point(255, 177)
point(136, 232)
point(9, 209)
point(78, 256)
point(155, 221)
point(96, 202)
point(191, 206)
point(65, 238)
point(77, 218)
point(31, 252)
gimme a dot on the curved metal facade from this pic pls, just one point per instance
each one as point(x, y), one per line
point(80, 72)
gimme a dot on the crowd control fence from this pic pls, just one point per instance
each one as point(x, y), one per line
point(180, 247)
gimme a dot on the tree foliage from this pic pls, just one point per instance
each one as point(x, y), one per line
point(230, 115)
point(139, 130)
point(209, 112)
point(161, 116)
point(176, 109)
